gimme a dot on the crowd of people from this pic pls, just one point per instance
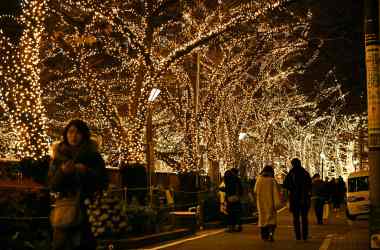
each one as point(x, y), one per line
point(326, 192)
point(303, 192)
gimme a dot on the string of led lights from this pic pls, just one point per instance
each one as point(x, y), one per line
point(99, 60)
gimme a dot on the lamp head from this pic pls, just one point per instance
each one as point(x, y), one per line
point(153, 94)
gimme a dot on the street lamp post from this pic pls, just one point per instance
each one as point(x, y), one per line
point(242, 167)
point(149, 139)
point(242, 136)
point(323, 156)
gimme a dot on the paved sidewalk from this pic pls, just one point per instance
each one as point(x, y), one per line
point(354, 237)
point(338, 234)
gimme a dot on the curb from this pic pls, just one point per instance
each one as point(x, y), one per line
point(219, 224)
point(138, 242)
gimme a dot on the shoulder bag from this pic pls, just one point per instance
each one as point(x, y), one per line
point(66, 212)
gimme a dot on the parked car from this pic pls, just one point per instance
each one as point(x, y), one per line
point(357, 194)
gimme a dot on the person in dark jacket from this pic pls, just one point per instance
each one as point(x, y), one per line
point(298, 182)
point(76, 167)
point(341, 191)
point(233, 191)
point(338, 191)
point(318, 197)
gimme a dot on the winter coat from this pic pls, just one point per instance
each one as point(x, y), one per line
point(318, 189)
point(298, 182)
point(68, 184)
point(222, 198)
point(268, 199)
point(87, 183)
point(233, 186)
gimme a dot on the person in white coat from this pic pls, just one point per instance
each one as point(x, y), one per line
point(222, 198)
point(268, 201)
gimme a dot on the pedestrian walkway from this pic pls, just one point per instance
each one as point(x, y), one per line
point(339, 234)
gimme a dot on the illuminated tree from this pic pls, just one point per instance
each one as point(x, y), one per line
point(98, 60)
point(21, 91)
point(125, 48)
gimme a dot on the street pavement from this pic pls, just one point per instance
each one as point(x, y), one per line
point(337, 234)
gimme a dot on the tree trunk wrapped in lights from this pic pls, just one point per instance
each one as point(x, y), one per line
point(23, 93)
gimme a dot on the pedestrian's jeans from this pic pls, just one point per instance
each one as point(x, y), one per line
point(318, 208)
point(297, 215)
point(234, 213)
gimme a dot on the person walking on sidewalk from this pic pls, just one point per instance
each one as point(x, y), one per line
point(223, 202)
point(342, 190)
point(334, 194)
point(76, 168)
point(268, 201)
point(233, 192)
point(298, 182)
point(318, 197)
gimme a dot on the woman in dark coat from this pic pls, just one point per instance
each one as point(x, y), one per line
point(76, 166)
point(234, 191)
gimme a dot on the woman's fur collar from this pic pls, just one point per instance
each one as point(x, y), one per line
point(62, 151)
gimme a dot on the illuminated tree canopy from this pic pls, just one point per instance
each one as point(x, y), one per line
point(98, 60)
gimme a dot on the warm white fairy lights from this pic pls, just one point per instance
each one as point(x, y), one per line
point(21, 76)
point(101, 60)
point(122, 32)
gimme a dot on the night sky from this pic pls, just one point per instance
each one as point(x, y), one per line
point(340, 22)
